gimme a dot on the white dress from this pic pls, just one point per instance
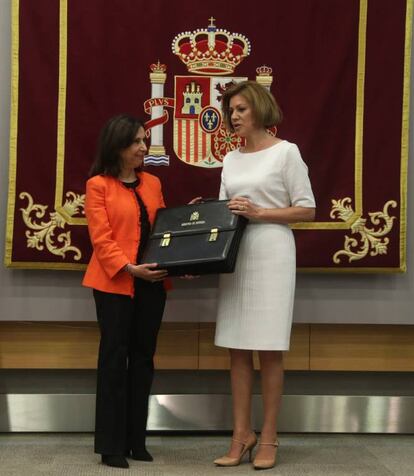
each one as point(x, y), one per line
point(256, 301)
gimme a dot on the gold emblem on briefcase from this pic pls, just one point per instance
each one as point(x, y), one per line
point(195, 216)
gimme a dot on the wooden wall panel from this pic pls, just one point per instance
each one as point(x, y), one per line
point(362, 347)
point(72, 345)
point(177, 346)
point(298, 356)
point(211, 357)
point(46, 345)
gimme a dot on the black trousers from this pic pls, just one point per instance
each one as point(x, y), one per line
point(129, 329)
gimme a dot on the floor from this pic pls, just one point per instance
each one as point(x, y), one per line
point(311, 455)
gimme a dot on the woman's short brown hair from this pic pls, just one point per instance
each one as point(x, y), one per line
point(266, 110)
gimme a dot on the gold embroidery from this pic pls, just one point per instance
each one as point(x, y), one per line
point(405, 134)
point(44, 233)
point(371, 240)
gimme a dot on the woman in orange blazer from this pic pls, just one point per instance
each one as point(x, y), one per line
point(121, 203)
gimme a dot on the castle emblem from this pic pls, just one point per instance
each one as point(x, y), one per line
point(211, 56)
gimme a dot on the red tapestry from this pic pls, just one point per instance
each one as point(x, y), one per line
point(339, 70)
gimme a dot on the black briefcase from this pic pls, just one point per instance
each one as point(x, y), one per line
point(202, 238)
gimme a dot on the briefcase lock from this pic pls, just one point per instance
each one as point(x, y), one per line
point(213, 234)
point(166, 239)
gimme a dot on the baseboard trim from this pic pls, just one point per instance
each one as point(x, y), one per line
point(300, 413)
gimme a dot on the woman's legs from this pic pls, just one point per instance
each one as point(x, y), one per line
point(149, 308)
point(241, 370)
point(271, 369)
point(114, 313)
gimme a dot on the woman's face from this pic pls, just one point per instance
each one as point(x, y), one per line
point(132, 157)
point(241, 116)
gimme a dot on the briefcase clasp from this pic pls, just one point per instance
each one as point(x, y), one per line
point(166, 239)
point(213, 234)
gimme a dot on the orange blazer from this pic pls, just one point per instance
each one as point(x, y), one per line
point(113, 217)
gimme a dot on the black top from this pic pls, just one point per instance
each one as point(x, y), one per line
point(144, 220)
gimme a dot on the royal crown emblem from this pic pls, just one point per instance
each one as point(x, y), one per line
point(200, 138)
point(211, 51)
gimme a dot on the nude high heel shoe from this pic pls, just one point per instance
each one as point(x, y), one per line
point(246, 446)
point(266, 463)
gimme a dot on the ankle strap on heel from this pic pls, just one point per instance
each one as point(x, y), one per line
point(238, 441)
point(246, 441)
point(275, 444)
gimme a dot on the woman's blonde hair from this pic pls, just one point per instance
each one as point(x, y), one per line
point(266, 111)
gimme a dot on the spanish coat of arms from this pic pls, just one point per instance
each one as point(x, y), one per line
point(201, 139)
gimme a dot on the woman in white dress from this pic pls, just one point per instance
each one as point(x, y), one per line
point(267, 182)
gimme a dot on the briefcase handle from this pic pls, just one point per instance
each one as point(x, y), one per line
point(204, 200)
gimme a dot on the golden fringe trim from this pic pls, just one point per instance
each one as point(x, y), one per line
point(405, 135)
point(14, 104)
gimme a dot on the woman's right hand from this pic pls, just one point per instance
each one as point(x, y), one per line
point(195, 200)
point(145, 271)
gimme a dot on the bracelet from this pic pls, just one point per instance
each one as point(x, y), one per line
point(126, 269)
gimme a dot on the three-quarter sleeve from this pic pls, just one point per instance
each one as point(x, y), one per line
point(108, 252)
point(161, 197)
point(223, 192)
point(296, 178)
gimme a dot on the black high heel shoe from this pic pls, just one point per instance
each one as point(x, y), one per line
point(116, 461)
point(142, 455)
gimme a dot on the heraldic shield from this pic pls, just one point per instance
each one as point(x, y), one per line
point(200, 137)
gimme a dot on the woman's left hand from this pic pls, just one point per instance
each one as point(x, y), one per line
point(245, 207)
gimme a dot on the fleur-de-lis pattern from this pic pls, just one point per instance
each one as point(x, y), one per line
point(45, 232)
point(372, 241)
